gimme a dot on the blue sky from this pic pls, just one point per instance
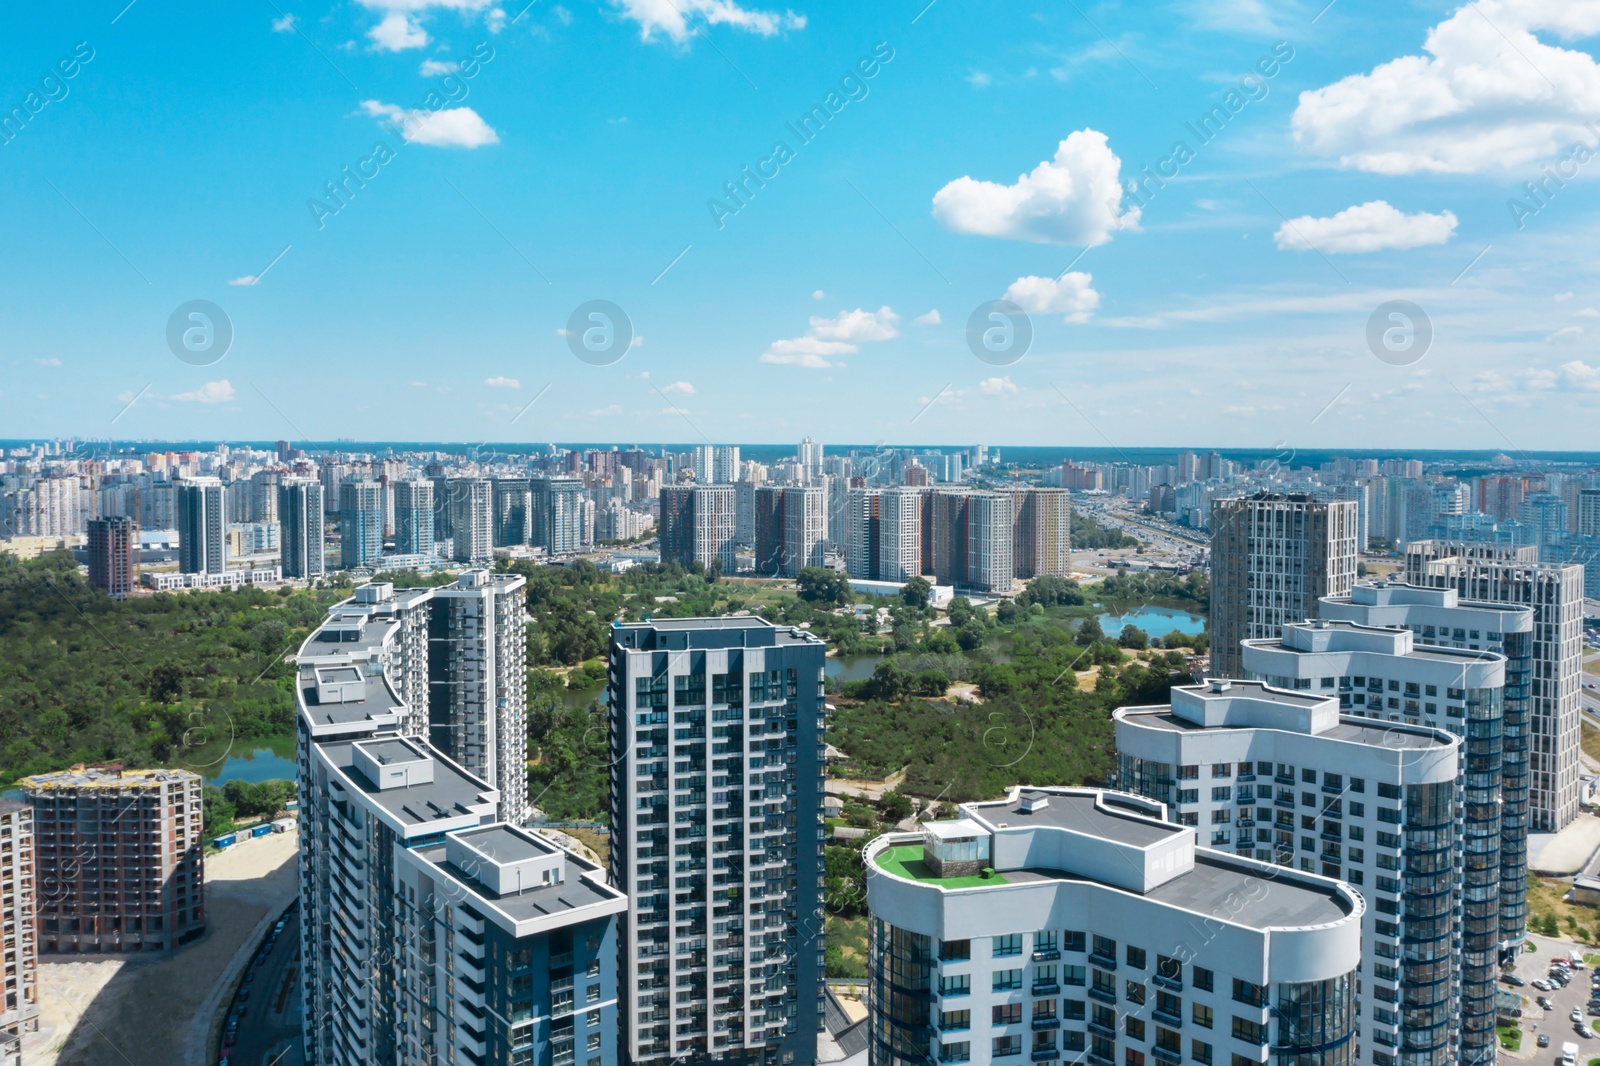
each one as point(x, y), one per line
point(973, 151)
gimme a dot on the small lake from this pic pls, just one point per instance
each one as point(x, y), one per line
point(1156, 621)
point(251, 764)
point(851, 667)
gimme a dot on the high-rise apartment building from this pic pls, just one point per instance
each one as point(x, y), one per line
point(1282, 776)
point(883, 534)
point(1077, 925)
point(413, 517)
point(1043, 538)
point(1462, 692)
point(791, 528)
point(360, 524)
point(810, 456)
point(119, 859)
point(697, 524)
point(432, 930)
point(19, 948)
point(1439, 617)
point(264, 495)
point(202, 526)
point(113, 555)
point(1498, 574)
point(471, 519)
point(1273, 556)
point(300, 521)
point(716, 794)
point(862, 532)
point(558, 516)
point(973, 537)
point(513, 512)
point(715, 464)
point(1588, 513)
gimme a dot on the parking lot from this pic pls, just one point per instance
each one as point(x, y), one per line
point(1554, 1021)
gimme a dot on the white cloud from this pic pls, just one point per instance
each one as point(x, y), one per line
point(1071, 295)
point(1074, 198)
point(502, 383)
point(818, 294)
point(1587, 312)
point(930, 319)
point(1368, 227)
point(496, 19)
point(285, 24)
point(1487, 95)
point(684, 411)
point(827, 337)
point(50, 361)
point(1565, 335)
point(210, 392)
point(1561, 297)
point(609, 409)
point(978, 79)
point(679, 386)
point(398, 32)
point(997, 386)
point(433, 67)
point(451, 127)
point(671, 17)
point(247, 279)
point(1580, 375)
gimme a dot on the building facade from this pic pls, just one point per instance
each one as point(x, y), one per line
point(300, 518)
point(119, 859)
point(1273, 556)
point(19, 949)
point(973, 540)
point(413, 517)
point(1497, 574)
point(360, 524)
point(1076, 925)
point(202, 526)
point(716, 796)
point(1283, 777)
point(1043, 538)
point(113, 555)
point(471, 519)
point(697, 525)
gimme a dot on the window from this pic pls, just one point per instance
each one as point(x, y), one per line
point(1309, 776)
point(1388, 791)
point(1006, 1014)
point(1169, 968)
point(1245, 1060)
point(1132, 1057)
point(954, 950)
point(1204, 979)
point(1072, 940)
point(1188, 795)
point(1105, 947)
point(959, 984)
point(1222, 769)
point(1072, 975)
point(1188, 773)
point(1134, 1027)
point(1248, 993)
point(1010, 944)
point(1008, 1045)
point(1006, 980)
point(1072, 1010)
point(1202, 1016)
point(592, 1018)
point(1171, 1041)
point(1248, 1031)
point(953, 1020)
point(1169, 1004)
point(1200, 1051)
point(1222, 794)
point(594, 1042)
point(1045, 941)
point(1135, 992)
point(1136, 957)
point(955, 1051)
point(1044, 1008)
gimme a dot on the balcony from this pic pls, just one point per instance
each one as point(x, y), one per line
point(1104, 995)
point(1168, 1018)
point(1167, 1054)
point(1105, 962)
point(1162, 980)
point(1047, 988)
point(1041, 1024)
point(1046, 1054)
point(1103, 1030)
point(1046, 955)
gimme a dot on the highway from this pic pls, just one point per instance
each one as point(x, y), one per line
point(269, 1029)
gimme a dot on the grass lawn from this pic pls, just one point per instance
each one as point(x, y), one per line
point(847, 946)
point(907, 862)
point(599, 842)
point(1510, 1037)
point(1544, 897)
point(1591, 959)
point(1591, 741)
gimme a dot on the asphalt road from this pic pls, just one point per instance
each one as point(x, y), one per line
point(269, 1030)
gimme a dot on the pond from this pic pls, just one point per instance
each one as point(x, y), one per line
point(1155, 621)
point(254, 764)
point(851, 667)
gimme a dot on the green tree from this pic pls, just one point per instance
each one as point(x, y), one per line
point(1089, 631)
point(1134, 637)
point(959, 610)
point(819, 585)
point(895, 807)
point(916, 593)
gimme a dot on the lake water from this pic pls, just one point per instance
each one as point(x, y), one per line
point(851, 667)
point(254, 766)
point(1156, 621)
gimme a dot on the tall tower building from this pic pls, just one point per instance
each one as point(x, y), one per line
point(1076, 925)
point(360, 524)
point(301, 527)
point(862, 533)
point(717, 772)
point(413, 517)
point(113, 555)
point(1588, 507)
point(1273, 556)
point(19, 948)
point(1498, 574)
point(1281, 774)
point(477, 682)
point(1043, 541)
point(513, 512)
point(810, 456)
point(1462, 692)
point(973, 540)
point(432, 931)
point(791, 528)
point(119, 859)
point(472, 519)
point(264, 495)
point(558, 515)
point(697, 523)
point(202, 526)
point(900, 535)
point(725, 464)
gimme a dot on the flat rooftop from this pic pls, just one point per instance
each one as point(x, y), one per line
point(1079, 814)
point(1378, 734)
point(451, 794)
point(11, 806)
point(368, 633)
point(102, 777)
point(730, 631)
point(1431, 652)
point(583, 888)
point(501, 843)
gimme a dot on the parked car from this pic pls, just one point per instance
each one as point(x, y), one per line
point(1577, 1015)
point(1543, 986)
point(1544, 1039)
point(1513, 980)
point(1547, 1003)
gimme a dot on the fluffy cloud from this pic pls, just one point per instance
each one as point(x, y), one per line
point(433, 67)
point(210, 392)
point(671, 17)
point(679, 386)
point(285, 24)
point(1488, 95)
point(398, 32)
point(997, 386)
point(609, 409)
point(1072, 295)
point(502, 383)
point(1580, 375)
point(451, 127)
point(827, 337)
point(1368, 227)
point(1074, 198)
point(930, 319)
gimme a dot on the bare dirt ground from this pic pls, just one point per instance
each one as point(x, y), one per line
point(861, 788)
point(132, 1011)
